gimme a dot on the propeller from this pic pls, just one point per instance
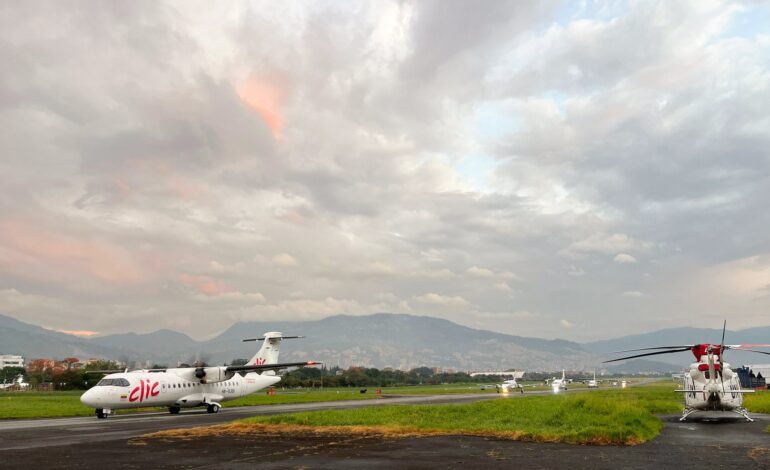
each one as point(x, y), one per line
point(755, 351)
point(746, 347)
point(721, 361)
point(669, 351)
point(689, 347)
point(656, 347)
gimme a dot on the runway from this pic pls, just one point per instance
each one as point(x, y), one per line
point(39, 433)
point(91, 443)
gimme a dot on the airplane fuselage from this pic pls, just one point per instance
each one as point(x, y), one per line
point(172, 388)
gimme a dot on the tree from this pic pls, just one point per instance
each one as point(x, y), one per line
point(8, 374)
point(70, 362)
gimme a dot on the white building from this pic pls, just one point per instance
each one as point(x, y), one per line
point(8, 360)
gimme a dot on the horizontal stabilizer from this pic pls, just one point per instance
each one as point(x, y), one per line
point(281, 337)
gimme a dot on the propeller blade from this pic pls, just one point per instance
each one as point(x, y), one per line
point(722, 344)
point(755, 351)
point(722, 353)
point(651, 354)
point(744, 346)
point(688, 346)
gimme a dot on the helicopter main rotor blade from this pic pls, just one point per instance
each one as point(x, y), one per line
point(650, 354)
point(755, 351)
point(721, 354)
point(688, 346)
point(745, 346)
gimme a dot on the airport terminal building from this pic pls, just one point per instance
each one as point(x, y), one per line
point(8, 360)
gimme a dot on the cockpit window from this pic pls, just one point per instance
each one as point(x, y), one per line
point(113, 382)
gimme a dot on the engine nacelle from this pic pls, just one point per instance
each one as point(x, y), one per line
point(207, 375)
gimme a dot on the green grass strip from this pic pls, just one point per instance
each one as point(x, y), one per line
point(601, 417)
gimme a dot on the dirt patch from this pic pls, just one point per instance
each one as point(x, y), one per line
point(759, 454)
point(382, 432)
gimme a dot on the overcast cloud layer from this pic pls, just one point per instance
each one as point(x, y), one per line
point(543, 169)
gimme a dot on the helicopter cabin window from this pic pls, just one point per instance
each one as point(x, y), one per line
point(717, 374)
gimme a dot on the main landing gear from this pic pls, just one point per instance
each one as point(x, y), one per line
point(174, 410)
point(213, 408)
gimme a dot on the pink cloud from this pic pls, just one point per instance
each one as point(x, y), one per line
point(267, 96)
point(46, 253)
point(85, 333)
point(205, 284)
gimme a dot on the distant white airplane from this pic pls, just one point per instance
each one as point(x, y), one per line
point(559, 384)
point(508, 386)
point(190, 386)
point(593, 383)
point(17, 382)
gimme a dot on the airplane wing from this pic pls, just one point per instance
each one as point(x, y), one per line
point(260, 367)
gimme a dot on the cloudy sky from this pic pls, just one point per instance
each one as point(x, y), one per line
point(557, 169)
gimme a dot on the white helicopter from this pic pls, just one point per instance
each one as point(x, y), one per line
point(190, 386)
point(710, 384)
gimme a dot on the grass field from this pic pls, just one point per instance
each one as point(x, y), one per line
point(758, 402)
point(23, 405)
point(599, 417)
point(33, 405)
point(27, 405)
point(30, 405)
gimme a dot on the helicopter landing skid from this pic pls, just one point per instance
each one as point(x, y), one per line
point(745, 413)
point(687, 412)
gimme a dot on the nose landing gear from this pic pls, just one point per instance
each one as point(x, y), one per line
point(102, 413)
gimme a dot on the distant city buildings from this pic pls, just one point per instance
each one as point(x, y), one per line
point(9, 360)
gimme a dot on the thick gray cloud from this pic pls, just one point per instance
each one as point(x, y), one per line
point(538, 169)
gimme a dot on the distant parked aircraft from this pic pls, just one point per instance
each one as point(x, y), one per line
point(559, 384)
point(18, 382)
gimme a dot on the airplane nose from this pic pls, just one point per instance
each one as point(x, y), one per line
point(90, 398)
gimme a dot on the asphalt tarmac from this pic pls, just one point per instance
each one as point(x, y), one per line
point(34, 434)
point(88, 443)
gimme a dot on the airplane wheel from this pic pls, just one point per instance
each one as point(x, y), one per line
point(101, 414)
point(174, 410)
point(212, 408)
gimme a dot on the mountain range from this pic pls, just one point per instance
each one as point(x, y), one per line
point(379, 340)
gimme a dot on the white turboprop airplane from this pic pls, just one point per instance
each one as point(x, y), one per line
point(559, 384)
point(508, 386)
point(190, 386)
point(593, 383)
